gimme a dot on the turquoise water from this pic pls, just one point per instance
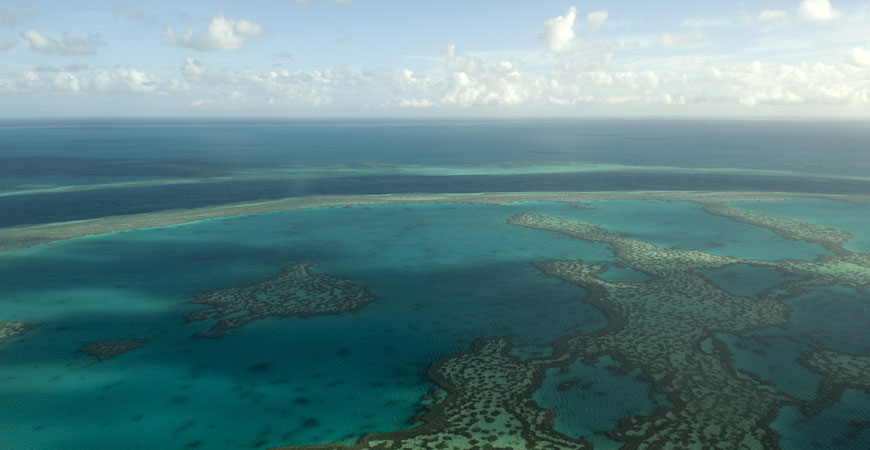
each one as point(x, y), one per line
point(827, 429)
point(745, 279)
point(686, 225)
point(589, 399)
point(826, 317)
point(773, 355)
point(846, 216)
point(445, 275)
point(624, 275)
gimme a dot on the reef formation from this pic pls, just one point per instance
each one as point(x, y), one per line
point(840, 371)
point(108, 349)
point(490, 406)
point(295, 292)
point(9, 330)
point(666, 326)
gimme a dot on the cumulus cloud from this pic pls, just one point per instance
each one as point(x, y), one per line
point(7, 43)
point(597, 18)
point(67, 46)
point(758, 83)
point(559, 34)
point(774, 15)
point(682, 38)
point(860, 56)
point(14, 14)
point(78, 80)
point(192, 69)
point(818, 10)
point(226, 88)
point(471, 82)
point(131, 13)
point(474, 82)
point(222, 34)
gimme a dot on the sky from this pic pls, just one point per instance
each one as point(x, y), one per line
point(412, 58)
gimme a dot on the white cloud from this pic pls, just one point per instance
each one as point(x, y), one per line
point(597, 18)
point(474, 83)
point(13, 14)
point(66, 81)
point(98, 82)
point(222, 34)
point(134, 80)
point(470, 82)
point(818, 10)
point(67, 46)
point(192, 68)
point(758, 83)
point(678, 85)
point(682, 38)
point(131, 13)
point(559, 32)
point(774, 15)
point(860, 56)
point(244, 88)
point(7, 43)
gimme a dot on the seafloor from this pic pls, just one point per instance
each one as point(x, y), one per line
point(557, 320)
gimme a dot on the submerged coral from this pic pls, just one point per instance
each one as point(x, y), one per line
point(108, 349)
point(666, 326)
point(295, 292)
point(9, 330)
point(840, 371)
point(489, 406)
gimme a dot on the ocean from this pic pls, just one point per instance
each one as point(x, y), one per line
point(565, 284)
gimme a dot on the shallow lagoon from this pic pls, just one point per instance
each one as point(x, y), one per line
point(444, 275)
point(439, 287)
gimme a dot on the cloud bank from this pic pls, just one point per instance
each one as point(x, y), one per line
point(67, 46)
point(679, 72)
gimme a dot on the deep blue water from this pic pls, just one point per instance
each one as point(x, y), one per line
point(820, 147)
point(88, 204)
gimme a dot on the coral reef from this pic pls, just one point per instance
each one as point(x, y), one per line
point(489, 406)
point(846, 268)
point(788, 228)
point(841, 371)
point(666, 326)
point(295, 292)
point(9, 330)
point(108, 349)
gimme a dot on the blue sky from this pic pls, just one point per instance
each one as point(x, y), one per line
point(366, 58)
